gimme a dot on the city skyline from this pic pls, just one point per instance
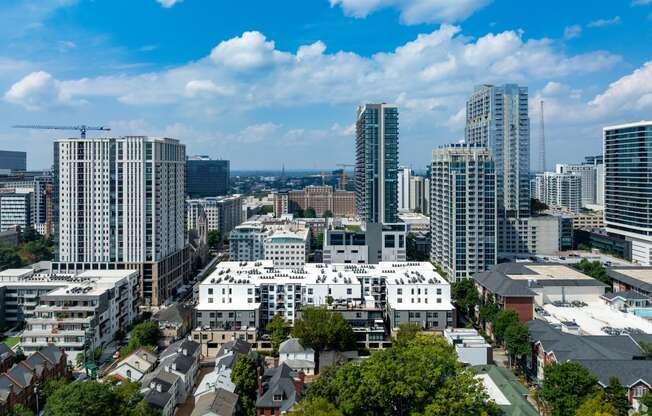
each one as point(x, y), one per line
point(290, 76)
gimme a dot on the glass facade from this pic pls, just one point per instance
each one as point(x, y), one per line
point(377, 163)
point(628, 178)
point(13, 160)
point(206, 177)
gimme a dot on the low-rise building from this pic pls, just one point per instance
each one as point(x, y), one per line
point(174, 322)
point(519, 286)
point(19, 383)
point(619, 356)
point(279, 389)
point(70, 310)
point(216, 403)
point(636, 278)
point(288, 249)
point(296, 356)
point(470, 346)
point(504, 389)
point(134, 366)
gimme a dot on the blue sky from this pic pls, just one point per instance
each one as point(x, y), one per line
point(266, 83)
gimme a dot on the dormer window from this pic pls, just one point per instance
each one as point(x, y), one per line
point(278, 397)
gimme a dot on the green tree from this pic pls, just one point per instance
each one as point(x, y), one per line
point(595, 269)
point(503, 320)
point(466, 297)
point(647, 349)
point(407, 331)
point(244, 376)
point(81, 399)
point(53, 385)
point(145, 334)
point(316, 407)
point(646, 404)
point(616, 395)
point(213, 239)
point(278, 331)
point(537, 206)
point(327, 214)
point(21, 410)
point(517, 341)
point(566, 386)
point(596, 405)
point(489, 309)
point(422, 378)
point(309, 213)
point(9, 258)
point(322, 329)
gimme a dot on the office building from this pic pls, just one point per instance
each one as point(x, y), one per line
point(417, 194)
point(374, 244)
point(463, 210)
point(321, 198)
point(223, 213)
point(559, 190)
point(497, 118)
point(404, 179)
point(15, 210)
point(13, 161)
point(376, 170)
point(628, 194)
point(206, 177)
point(119, 203)
point(69, 310)
point(543, 234)
point(238, 295)
point(598, 163)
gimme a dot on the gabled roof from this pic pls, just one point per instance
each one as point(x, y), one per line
point(219, 402)
point(5, 384)
point(5, 352)
point(626, 295)
point(179, 346)
point(237, 345)
point(498, 283)
point(279, 381)
point(177, 313)
point(605, 356)
point(293, 346)
point(52, 353)
point(21, 375)
point(158, 399)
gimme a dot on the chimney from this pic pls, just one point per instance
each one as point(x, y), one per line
point(152, 385)
point(174, 366)
point(298, 383)
point(185, 352)
point(260, 382)
point(159, 387)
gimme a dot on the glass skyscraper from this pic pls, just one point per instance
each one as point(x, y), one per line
point(14, 161)
point(628, 186)
point(206, 177)
point(497, 118)
point(376, 170)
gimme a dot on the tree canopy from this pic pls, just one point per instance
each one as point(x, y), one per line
point(244, 377)
point(316, 407)
point(213, 239)
point(566, 386)
point(309, 213)
point(596, 405)
point(90, 398)
point(595, 269)
point(407, 331)
point(328, 214)
point(322, 329)
point(503, 320)
point(145, 334)
point(517, 340)
point(616, 395)
point(422, 378)
point(465, 295)
point(278, 331)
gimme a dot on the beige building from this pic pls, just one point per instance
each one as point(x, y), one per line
point(320, 198)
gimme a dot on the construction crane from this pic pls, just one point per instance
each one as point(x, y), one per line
point(343, 178)
point(81, 128)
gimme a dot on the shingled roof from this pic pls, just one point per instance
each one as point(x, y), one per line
point(279, 381)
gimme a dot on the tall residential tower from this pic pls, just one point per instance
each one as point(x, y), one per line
point(463, 210)
point(497, 118)
point(119, 204)
point(376, 170)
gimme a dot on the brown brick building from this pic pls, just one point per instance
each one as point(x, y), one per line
point(320, 198)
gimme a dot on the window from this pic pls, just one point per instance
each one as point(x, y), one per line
point(349, 291)
point(210, 290)
point(210, 300)
point(439, 291)
point(399, 291)
point(399, 300)
point(389, 241)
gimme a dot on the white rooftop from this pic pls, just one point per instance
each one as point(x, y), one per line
point(493, 391)
point(597, 315)
point(92, 282)
point(261, 272)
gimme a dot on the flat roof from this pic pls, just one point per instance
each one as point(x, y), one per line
point(627, 125)
point(550, 272)
point(595, 316)
point(642, 274)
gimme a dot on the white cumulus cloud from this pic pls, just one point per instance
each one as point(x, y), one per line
point(415, 11)
point(37, 91)
point(168, 3)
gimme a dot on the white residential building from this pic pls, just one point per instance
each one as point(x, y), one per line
point(246, 241)
point(238, 295)
point(296, 356)
point(134, 366)
point(223, 213)
point(404, 179)
point(559, 190)
point(589, 179)
point(91, 306)
point(373, 244)
point(471, 348)
point(119, 203)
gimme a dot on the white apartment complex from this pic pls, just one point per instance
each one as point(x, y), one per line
point(372, 244)
point(559, 190)
point(238, 296)
point(223, 213)
point(288, 249)
point(119, 203)
point(71, 310)
point(246, 241)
